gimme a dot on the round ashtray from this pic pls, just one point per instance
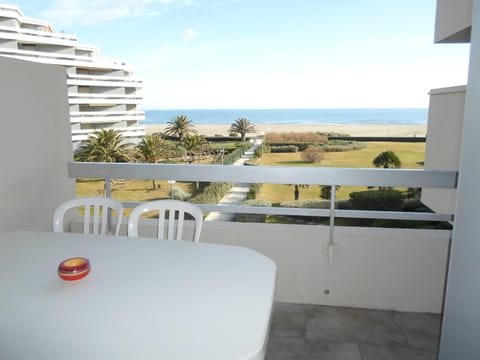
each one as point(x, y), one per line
point(74, 268)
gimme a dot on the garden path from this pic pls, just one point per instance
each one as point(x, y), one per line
point(238, 192)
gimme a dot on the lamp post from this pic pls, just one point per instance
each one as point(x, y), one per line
point(171, 182)
point(222, 151)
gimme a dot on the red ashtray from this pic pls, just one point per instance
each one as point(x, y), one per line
point(74, 268)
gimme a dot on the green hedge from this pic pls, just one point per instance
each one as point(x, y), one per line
point(179, 194)
point(316, 204)
point(212, 193)
point(233, 156)
point(255, 218)
point(284, 149)
point(300, 145)
point(252, 193)
point(347, 146)
point(386, 200)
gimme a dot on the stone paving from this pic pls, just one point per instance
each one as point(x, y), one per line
point(307, 332)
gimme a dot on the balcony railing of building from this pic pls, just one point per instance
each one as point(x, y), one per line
point(64, 59)
point(367, 267)
point(39, 36)
point(105, 117)
point(280, 175)
point(129, 131)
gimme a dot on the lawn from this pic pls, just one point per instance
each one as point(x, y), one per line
point(132, 190)
point(411, 154)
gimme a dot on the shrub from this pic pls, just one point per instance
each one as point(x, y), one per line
point(334, 134)
point(252, 193)
point(253, 217)
point(343, 205)
point(292, 137)
point(259, 202)
point(389, 200)
point(339, 146)
point(284, 149)
point(415, 205)
point(326, 191)
point(233, 156)
point(179, 194)
point(413, 193)
point(388, 223)
point(212, 193)
point(260, 150)
point(306, 204)
point(313, 155)
point(301, 146)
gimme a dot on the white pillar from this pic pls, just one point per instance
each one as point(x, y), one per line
point(461, 323)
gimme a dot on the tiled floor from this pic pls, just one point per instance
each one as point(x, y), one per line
point(307, 332)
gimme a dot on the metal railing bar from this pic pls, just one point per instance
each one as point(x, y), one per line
point(267, 174)
point(312, 212)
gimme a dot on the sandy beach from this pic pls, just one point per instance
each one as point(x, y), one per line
point(352, 130)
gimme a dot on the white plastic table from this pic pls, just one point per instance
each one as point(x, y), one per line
point(143, 299)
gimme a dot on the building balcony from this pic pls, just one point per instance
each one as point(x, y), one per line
point(104, 81)
point(376, 268)
point(59, 58)
point(93, 117)
point(342, 292)
point(105, 99)
point(128, 132)
point(38, 36)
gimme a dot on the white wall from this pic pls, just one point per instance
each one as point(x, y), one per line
point(461, 325)
point(399, 269)
point(396, 269)
point(444, 139)
point(453, 20)
point(35, 144)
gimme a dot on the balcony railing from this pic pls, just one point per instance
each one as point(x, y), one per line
point(401, 269)
point(280, 175)
point(129, 131)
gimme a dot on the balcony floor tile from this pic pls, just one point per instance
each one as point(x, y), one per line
point(375, 352)
point(306, 332)
point(354, 325)
point(422, 330)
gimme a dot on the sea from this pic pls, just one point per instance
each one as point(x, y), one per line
point(417, 116)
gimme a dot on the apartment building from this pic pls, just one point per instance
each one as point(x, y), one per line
point(102, 93)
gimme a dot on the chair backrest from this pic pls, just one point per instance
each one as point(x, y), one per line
point(100, 217)
point(176, 215)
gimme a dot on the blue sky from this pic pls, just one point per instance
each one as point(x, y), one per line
point(195, 54)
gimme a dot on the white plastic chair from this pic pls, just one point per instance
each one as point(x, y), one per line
point(101, 206)
point(176, 215)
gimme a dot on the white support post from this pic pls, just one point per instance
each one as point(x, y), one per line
point(331, 234)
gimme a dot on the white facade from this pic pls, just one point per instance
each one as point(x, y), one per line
point(453, 21)
point(444, 139)
point(36, 147)
point(101, 93)
point(461, 318)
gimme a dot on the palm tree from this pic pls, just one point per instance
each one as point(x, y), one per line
point(296, 190)
point(242, 126)
point(387, 160)
point(194, 146)
point(326, 191)
point(104, 146)
point(180, 127)
point(150, 149)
